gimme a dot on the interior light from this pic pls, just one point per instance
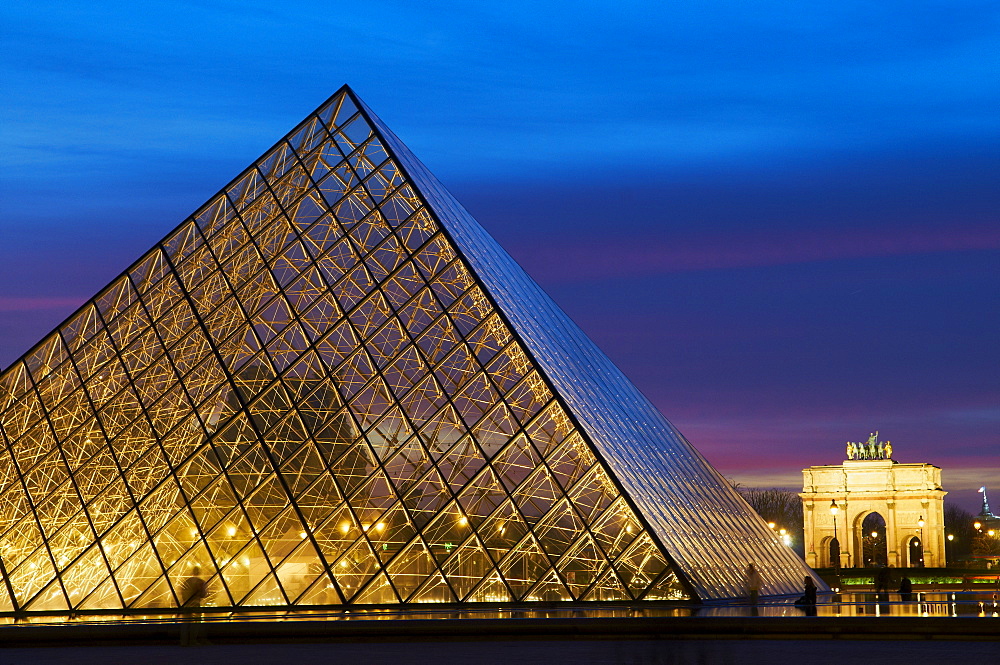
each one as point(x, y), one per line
point(231, 531)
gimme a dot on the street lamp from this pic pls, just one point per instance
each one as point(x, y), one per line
point(835, 544)
point(920, 531)
point(947, 554)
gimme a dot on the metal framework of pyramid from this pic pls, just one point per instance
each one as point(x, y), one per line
point(330, 386)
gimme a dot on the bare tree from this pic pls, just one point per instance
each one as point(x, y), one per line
point(779, 507)
point(958, 523)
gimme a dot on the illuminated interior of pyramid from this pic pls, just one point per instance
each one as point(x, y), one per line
point(329, 386)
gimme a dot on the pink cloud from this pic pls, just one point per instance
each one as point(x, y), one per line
point(24, 304)
point(609, 257)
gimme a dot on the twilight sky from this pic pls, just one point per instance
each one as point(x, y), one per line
point(781, 220)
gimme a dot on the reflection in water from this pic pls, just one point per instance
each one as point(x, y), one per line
point(856, 604)
point(924, 604)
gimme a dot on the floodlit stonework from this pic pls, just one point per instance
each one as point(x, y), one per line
point(902, 494)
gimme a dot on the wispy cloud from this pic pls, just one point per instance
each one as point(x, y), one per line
point(615, 257)
point(25, 304)
point(957, 479)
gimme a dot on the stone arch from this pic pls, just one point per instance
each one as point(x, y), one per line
point(870, 541)
point(826, 552)
point(913, 547)
point(903, 494)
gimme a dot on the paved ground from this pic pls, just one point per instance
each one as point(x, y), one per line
point(546, 652)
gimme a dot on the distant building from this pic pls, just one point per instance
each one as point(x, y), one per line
point(905, 502)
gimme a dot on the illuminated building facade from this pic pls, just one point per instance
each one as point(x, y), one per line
point(330, 386)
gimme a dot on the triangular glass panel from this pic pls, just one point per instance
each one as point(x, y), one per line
point(549, 589)
point(491, 590)
point(582, 565)
point(355, 567)
point(267, 593)
point(158, 595)
point(242, 571)
point(51, 599)
point(84, 575)
point(104, 597)
point(668, 587)
point(138, 573)
point(468, 564)
point(378, 592)
point(608, 587)
point(411, 568)
point(524, 566)
point(434, 590)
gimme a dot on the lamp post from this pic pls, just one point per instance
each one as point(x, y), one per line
point(835, 544)
point(947, 554)
point(920, 537)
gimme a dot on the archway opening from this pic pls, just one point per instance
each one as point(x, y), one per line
point(833, 553)
point(915, 553)
point(872, 542)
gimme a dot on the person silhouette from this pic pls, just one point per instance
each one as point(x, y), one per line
point(753, 583)
point(194, 589)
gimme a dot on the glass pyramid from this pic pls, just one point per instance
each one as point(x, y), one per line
point(330, 386)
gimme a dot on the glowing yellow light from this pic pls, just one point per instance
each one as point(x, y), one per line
point(364, 527)
point(345, 527)
point(246, 561)
point(951, 536)
point(343, 564)
point(628, 528)
point(194, 533)
point(771, 525)
point(833, 508)
point(380, 526)
point(978, 525)
point(463, 520)
point(874, 534)
point(991, 532)
point(231, 531)
point(302, 535)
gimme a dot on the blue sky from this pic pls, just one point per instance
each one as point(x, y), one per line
point(780, 219)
